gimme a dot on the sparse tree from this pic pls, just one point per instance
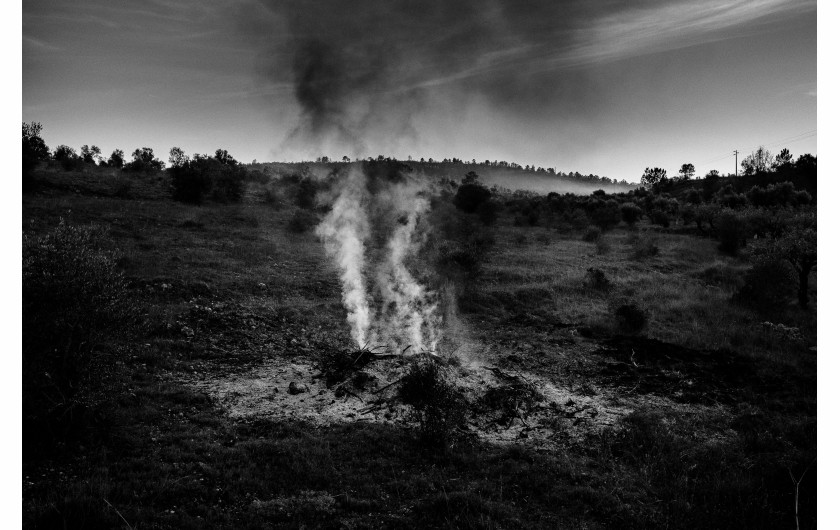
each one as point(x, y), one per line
point(652, 177)
point(783, 160)
point(91, 154)
point(34, 148)
point(144, 160)
point(470, 178)
point(177, 157)
point(64, 152)
point(687, 171)
point(117, 159)
point(759, 161)
point(806, 162)
point(224, 157)
point(798, 246)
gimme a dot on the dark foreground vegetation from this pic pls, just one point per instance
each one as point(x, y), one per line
point(689, 303)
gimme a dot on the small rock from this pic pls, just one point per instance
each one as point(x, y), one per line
point(297, 388)
point(187, 332)
point(262, 286)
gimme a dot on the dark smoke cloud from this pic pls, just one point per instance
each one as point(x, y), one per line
point(372, 65)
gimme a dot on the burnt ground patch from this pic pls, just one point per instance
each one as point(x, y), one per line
point(650, 366)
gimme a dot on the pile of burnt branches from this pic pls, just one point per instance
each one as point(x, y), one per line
point(514, 398)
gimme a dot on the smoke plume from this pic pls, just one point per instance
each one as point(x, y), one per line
point(408, 311)
point(344, 232)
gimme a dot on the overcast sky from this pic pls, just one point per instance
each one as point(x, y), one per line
point(607, 87)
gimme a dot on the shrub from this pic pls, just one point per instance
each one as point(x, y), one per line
point(606, 215)
point(631, 319)
point(68, 158)
point(302, 221)
point(488, 212)
point(204, 177)
point(693, 196)
point(630, 213)
point(144, 160)
point(661, 218)
point(72, 296)
point(768, 285)
point(34, 148)
point(730, 231)
point(305, 194)
point(470, 196)
point(798, 247)
point(593, 233)
point(271, 196)
point(644, 248)
point(596, 279)
point(438, 406)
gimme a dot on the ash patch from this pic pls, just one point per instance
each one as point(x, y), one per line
point(504, 407)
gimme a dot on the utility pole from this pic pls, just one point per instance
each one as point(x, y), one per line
point(736, 162)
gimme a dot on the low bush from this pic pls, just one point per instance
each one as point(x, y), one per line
point(73, 296)
point(305, 193)
point(470, 196)
point(631, 319)
point(488, 212)
point(437, 404)
point(730, 231)
point(596, 279)
point(205, 178)
point(768, 286)
point(644, 248)
point(630, 213)
point(661, 218)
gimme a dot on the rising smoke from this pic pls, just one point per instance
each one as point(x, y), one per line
point(407, 314)
point(365, 75)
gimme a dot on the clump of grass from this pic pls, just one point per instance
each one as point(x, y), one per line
point(595, 279)
point(721, 275)
point(631, 319)
point(644, 248)
point(437, 404)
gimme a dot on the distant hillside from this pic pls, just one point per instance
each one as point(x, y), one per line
point(510, 176)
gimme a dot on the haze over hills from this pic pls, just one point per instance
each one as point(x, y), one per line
point(508, 176)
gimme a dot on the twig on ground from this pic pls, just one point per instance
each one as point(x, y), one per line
point(127, 525)
point(796, 485)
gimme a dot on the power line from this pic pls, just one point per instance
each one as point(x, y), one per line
point(790, 139)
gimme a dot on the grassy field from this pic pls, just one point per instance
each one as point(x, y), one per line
point(698, 421)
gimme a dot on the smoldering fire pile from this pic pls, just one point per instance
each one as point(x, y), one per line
point(373, 232)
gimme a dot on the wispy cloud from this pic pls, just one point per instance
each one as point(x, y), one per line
point(39, 44)
point(669, 26)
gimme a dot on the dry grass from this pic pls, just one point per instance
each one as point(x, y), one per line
point(167, 457)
